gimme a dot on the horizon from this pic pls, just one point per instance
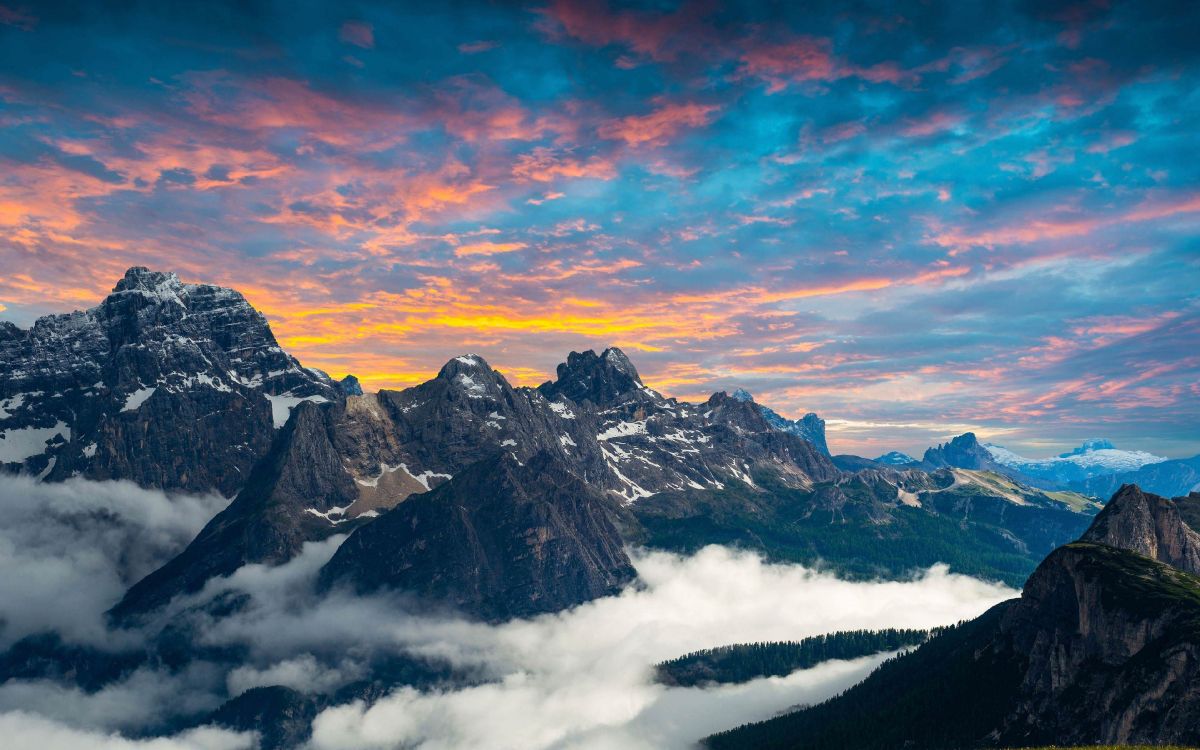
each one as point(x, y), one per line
point(914, 224)
point(832, 424)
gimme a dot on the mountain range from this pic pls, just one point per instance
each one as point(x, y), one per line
point(474, 497)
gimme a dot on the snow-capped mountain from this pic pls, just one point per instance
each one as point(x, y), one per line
point(171, 385)
point(1093, 458)
point(895, 458)
point(810, 426)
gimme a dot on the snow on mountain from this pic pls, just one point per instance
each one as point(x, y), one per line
point(1095, 457)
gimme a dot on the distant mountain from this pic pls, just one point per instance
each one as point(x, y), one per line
point(1096, 457)
point(895, 458)
point(1103, 647)
point(963, 452)
point(810, 426)
point(1171, 478)
point(878, 522)
point(171, 385)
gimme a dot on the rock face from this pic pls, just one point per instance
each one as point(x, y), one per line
point(171, 385)
point(963, 452)
point(810, 426)
point(1103, 647)
point(503, 539)
point(286, 501)
point(1148, 525)
point(342, 464)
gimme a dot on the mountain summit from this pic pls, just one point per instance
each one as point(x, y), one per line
point(168, 384)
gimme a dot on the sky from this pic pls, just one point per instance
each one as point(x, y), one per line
point(915, 219)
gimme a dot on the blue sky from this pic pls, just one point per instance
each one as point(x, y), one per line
point(915, 218)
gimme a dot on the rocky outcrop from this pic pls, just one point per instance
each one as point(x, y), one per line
point(171, 385)
point(1148, 525)
point(503, 539)
point(595, 379)
point(288, 500)
point(963, 452)
point(810, 426)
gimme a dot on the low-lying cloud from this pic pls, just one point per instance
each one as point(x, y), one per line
point(69, 550)
point(576, 679)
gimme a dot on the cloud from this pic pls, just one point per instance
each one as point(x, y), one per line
point(69, 550)
point(581, 678)
point(25, 730)
point(358, 33)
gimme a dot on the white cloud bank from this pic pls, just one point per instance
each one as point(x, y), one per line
point(69, 550)
point(581, 679)
point(577, 679)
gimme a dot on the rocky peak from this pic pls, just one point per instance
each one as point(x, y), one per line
point(142, 279)
point(350, 386)
point(963, 452)
point(1148, 525)
point(1095, 444)
point(742, 415)
point(168, 384)
point(601, 379)
point(741, 394)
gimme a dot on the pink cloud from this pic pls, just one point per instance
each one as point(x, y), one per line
point(658, 126)
point(358, 33)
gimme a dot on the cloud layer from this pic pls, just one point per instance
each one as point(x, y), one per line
point(578, 679)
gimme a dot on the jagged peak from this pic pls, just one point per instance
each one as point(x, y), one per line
point(1147, 524)
point(599, 378)
point(140, 278)
point(1092, 444)
point(741, 394)
point(350, 386)
point(464, 363)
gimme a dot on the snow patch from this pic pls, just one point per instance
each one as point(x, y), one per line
point(281, 406)
point(137, 398)
point(16, 445)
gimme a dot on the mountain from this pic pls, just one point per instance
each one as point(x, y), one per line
point(876, 522)
point(1097, 457)
point(171, 385)
point(308, 457)
point(522, 539)
point(1172, 478)
point(896, 458)
point(1149, 525)
point(810, 426)
point(1102, 647)
point(963, 452)
point(339, 465)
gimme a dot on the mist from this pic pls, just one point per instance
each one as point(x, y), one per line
point(575, 679)
point(69, 550)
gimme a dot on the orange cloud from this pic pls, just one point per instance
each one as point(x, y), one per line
point(658, 126)
point(488, 248)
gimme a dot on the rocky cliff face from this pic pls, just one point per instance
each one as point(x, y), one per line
point(503, 539)
point(168, 384)
point(1148, 525)
point(346, 463)
point(810, 426)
